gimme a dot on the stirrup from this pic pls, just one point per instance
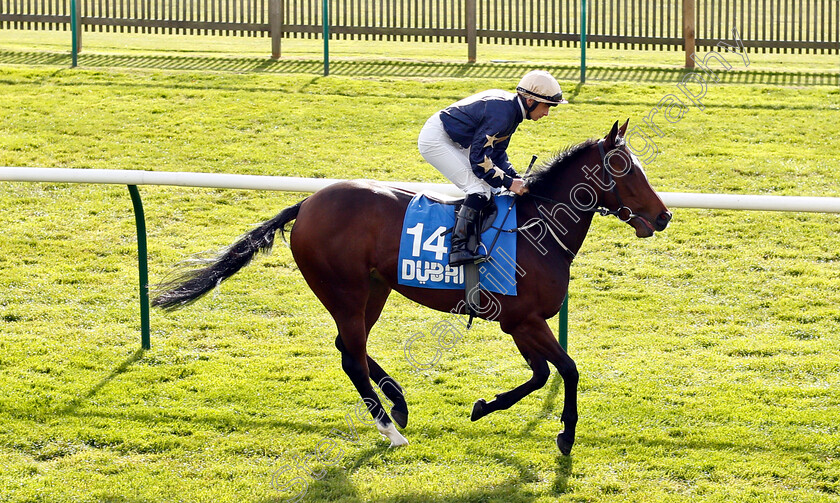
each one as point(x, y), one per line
point(482, 256)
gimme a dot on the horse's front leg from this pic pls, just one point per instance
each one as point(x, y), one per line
point(537, 344)
point(568, 370)
point(504, 400)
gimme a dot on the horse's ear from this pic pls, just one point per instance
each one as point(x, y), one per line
point(612, 135)
point(623, 129)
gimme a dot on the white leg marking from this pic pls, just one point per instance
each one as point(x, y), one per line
point(390, 432)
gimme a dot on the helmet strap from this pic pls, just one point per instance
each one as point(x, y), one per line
point(528, 109)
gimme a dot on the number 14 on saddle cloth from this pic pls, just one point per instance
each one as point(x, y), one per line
point(424, 249)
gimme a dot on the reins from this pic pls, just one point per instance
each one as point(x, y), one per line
point(600, 210)
point(527, 226)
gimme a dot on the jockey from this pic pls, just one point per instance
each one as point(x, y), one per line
point(467, 142)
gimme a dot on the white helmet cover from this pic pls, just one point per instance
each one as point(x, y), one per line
point(539, 85)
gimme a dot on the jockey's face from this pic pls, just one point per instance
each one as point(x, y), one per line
point(539, 112)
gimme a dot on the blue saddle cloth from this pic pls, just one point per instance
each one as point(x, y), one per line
point(424, 253)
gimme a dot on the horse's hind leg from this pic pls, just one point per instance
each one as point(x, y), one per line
point(354, 361)
point(350, 307)
point(379, 292)
point(347, 302)
point(334, 255)
point(389, 386)
point(392, 389)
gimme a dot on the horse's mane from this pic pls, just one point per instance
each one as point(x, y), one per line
point(545, 175)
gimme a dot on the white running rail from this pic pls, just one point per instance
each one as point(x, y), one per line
point(296, 184)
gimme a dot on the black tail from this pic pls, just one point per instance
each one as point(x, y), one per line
point(193, 279)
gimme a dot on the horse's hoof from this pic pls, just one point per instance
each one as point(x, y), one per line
point(399, 442)
point(478, 410)
point(400, 417)
point(564, 445)
point(391, 434)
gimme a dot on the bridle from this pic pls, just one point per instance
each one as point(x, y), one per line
point(609, 179)
point(603, 210)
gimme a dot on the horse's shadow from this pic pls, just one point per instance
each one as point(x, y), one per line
point(336, 484)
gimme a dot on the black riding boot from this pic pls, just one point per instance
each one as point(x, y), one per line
point(465, 237)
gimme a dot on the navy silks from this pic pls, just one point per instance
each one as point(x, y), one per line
point(484, 123)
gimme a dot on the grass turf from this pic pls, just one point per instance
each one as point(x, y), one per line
point(708, 355)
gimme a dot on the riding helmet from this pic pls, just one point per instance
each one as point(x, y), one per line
point(539, 85)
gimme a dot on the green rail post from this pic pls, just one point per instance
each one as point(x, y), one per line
point(143, 266)
point(582, 41)
point(326, 8)
point(74, 30)
point(563, 329)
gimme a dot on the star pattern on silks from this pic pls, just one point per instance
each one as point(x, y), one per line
point(492, 140)
point(488, 166)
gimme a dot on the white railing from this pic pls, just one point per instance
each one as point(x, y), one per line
point(296, 184)
point(133, 178)
point(182, 179)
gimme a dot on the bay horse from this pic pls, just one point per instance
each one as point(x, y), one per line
point(345, 241)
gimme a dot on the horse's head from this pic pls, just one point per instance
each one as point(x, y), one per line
point(600, 176)
point(625, 191)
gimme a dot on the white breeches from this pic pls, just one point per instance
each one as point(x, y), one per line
point(449, 158)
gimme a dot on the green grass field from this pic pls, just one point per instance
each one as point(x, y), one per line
point(708, 355)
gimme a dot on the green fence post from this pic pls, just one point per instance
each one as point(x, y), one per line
point(563, 329)
point(326, 8)
point(582, 41)
point(74, 30)
point(143, 266)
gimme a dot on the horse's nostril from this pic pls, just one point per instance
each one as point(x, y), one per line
point(663, 219)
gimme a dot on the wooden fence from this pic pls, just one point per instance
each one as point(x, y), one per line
point(765, 25)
